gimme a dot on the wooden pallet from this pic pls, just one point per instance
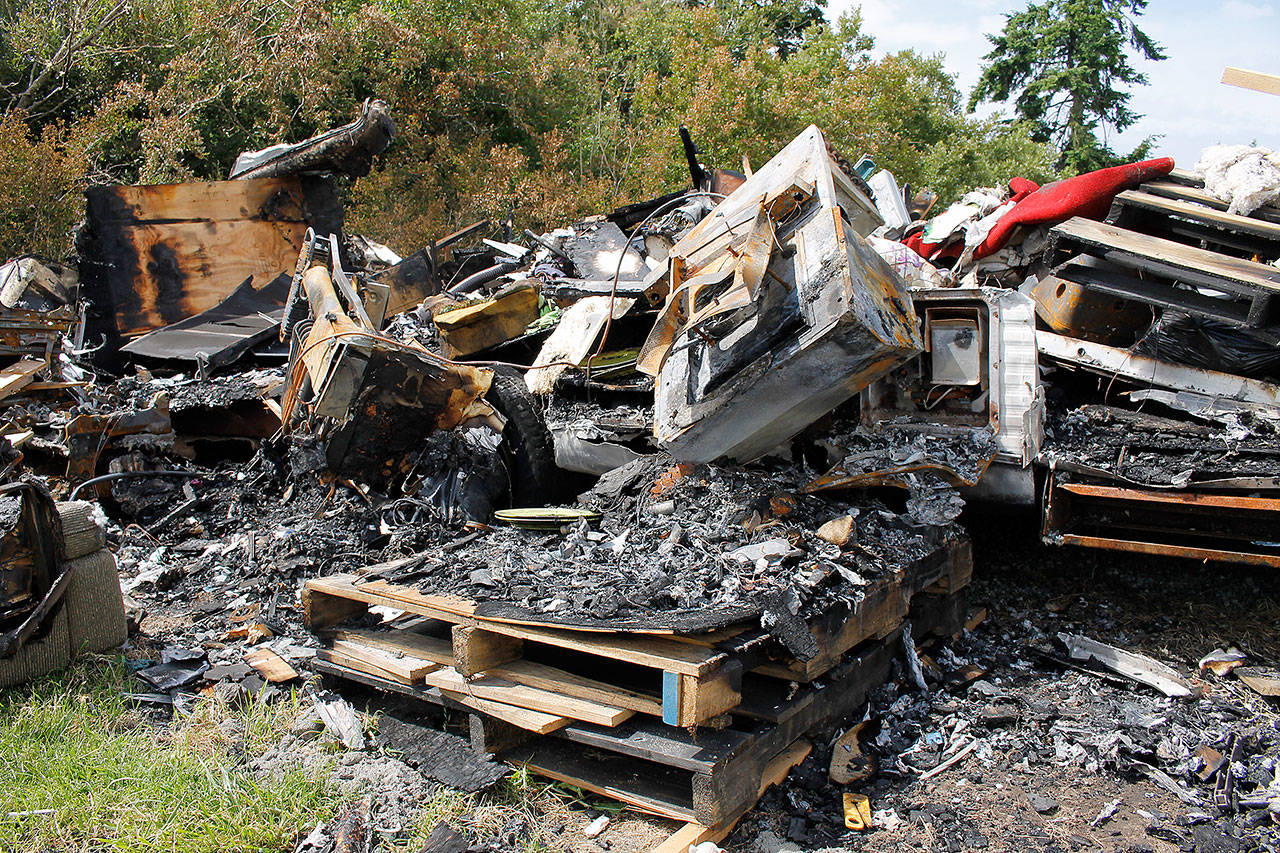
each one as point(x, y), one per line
point(685, 680)
point(1186, 185)
point(1149, 269)
point(708, 776)
point(1194, 222)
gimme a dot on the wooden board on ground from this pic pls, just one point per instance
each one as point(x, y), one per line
point(270, 665)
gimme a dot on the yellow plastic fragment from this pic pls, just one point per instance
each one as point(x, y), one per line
point(857, 812)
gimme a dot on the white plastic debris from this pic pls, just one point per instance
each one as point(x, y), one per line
point(763, 553)
point(919, 273)
point(596, 826)
point(342, 720)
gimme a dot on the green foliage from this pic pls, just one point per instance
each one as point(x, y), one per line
point(1065, 64)
point(552, 111)
point(41, 179)
point(72, 745)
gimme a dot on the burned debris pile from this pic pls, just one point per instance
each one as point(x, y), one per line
point(651, 502)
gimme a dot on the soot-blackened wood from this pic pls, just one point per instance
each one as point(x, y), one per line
point(156, 255)
point(442, 756)
point(491, 736)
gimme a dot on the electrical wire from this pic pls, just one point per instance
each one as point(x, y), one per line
point(120, 475)
point(617, 273)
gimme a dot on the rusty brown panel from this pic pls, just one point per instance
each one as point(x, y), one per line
point(897, 476)
point(89, 435)
point(1071, 309)
point(266, 199)
point(1186, 499)
point(1164, 550)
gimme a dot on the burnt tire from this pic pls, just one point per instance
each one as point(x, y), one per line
point(528, 448)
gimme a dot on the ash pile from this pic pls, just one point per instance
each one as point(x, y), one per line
point(649, 503)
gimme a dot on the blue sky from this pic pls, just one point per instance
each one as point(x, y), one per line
point(1185, 102)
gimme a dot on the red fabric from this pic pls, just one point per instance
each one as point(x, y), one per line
point(929, 251)
point(1087, 195)
point(1022, 187)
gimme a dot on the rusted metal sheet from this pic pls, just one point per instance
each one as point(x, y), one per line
point(1194, 525)
point(477, 326)
point(89, 435)
point(153, 256)
point(1074, 310)
point(898, 476)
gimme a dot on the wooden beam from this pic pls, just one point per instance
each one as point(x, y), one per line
point(1129, 249)
point(1258, 81)
point(688, 700)
point(404, 643)
point(534, 721)
point(1200, 212)
point(475, 649)
point(571, 684)
point(693, 834)
point(643, 649)
point(531, 698)
point(407, 669)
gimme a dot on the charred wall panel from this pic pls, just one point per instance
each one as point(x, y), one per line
point(155, 255)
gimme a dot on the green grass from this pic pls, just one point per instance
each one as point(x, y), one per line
point(73, 744)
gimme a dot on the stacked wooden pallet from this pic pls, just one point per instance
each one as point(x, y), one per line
point(1170, 243)
point(689, 727)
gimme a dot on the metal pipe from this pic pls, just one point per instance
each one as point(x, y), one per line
point(548, 245)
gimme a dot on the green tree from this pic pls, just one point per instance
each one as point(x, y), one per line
point(1065, 64)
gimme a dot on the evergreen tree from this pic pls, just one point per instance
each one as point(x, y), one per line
point(1065, 64)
